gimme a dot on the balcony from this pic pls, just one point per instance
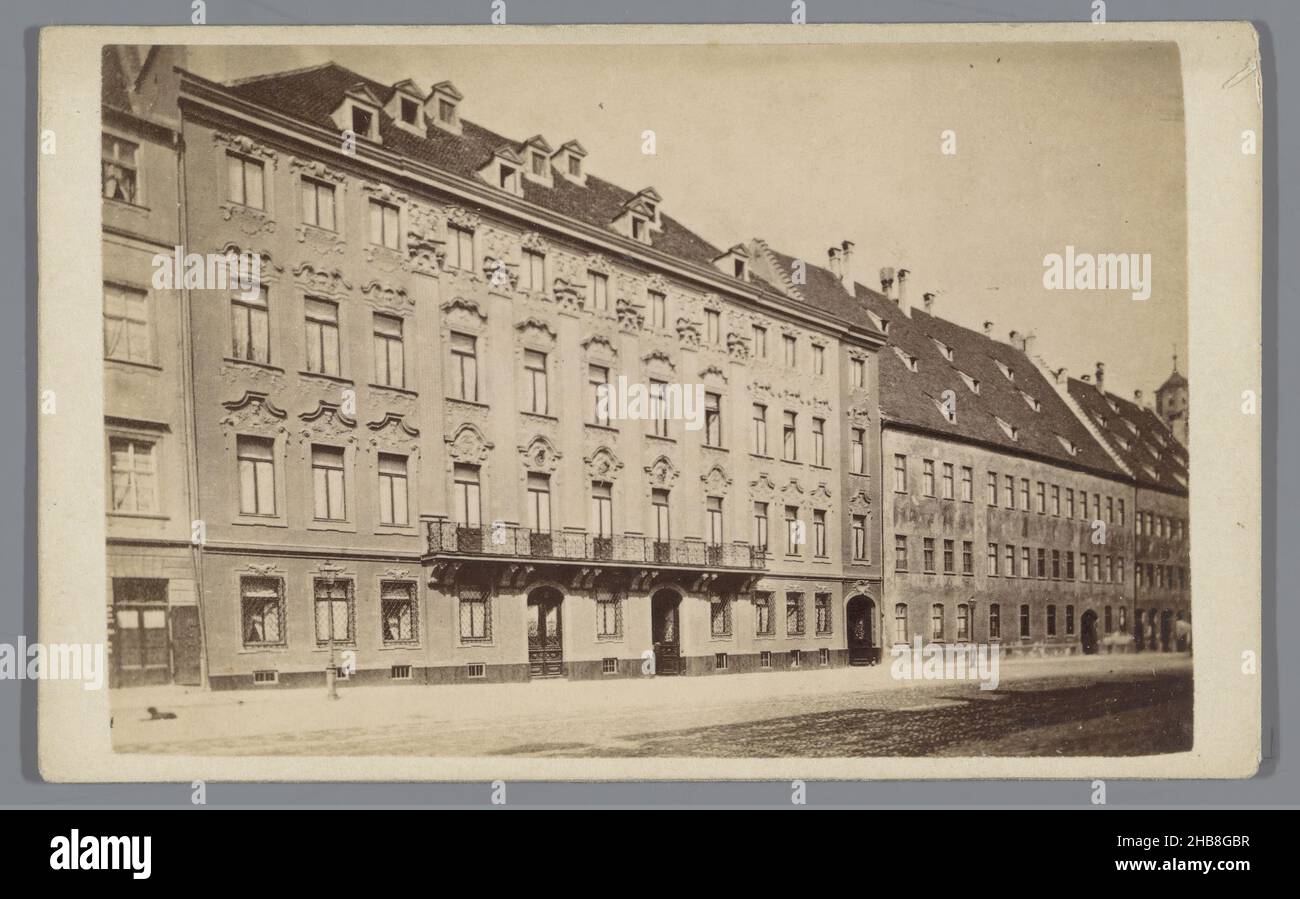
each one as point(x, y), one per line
point(447, 539)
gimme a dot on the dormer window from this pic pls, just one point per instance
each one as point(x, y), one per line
point(738, 268)
point(361, 121)
point(506, 178)
point(443, 107)
point(359, 112)
point(539, 164)
point(638, 228)
point(1006, 371)
point(972, 383)
point(568, 161)
point(947, 410)
point(881, 325)
point(908, 359)
point(1070, 446)
point(575, 166)
point(1031, 402)
point(446, 112)
point(410, 111)
point(505, 170)
point(734, 262)
point(946, 350)
point(1014, 433)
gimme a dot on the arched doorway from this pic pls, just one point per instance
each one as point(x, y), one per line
point(1088, 632)
point(861, 617)
point(545, 633)
point(665, 630)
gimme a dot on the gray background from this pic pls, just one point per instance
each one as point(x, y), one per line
point(1277, 783)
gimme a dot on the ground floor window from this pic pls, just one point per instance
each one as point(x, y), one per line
point(823, 609)
point(609, 614)
point(900, 623)
point(995, 621)
point(398, 612)
point(475, 614)
point(335, 620)
point(261, 602)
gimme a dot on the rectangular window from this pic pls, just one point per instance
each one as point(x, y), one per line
point(760, 526)
point(759, 337)
point(1110, 509)
point(535, 382)
point(1083, 567)
point(464, 367)
point(1069, 565)
point(963, 621)
point(993, 560)
point(900, 473)
point(119, 170)
point(1051, 621)
point(936, 621)
point(968, 557)
point(860, 538)
point(900, 552)
point(133, 469)
point(460, 248)
point(334, 615)
point(1010, 484)
point(712, 420)
point(789, 438)
point(609, 614)
point(1096, 507)
point(819, 441)
point(1042, 498)
point(794, 623)
point(327, 481)
point(1083, 504)
point(900, 622)
point(322, 325)
point(1024, 621)
point(760, 429)
point(245, 181)
point(822, 611)
point(995, 621)
point(658, 310)
point(819, 359)
point(659, 407)
point(398, 612)
point(1011, 560)
point(790, 345)
point(250, 326)
point(720, 615)
point(532, 275)
point(1069, 620)
point(764, 626)
point(1042, 563)
point(602, 509)
point(467, 498)
point(1024, 562)
point(393, 495)
point(948, 485)
point(256, 456)
point(261, 611)
point(1024, 494)
point(390, 355)
point(475, 614)
point(1119, 570)
point(598, 291)
point(318, 204)
point(598, 387)
point(1096, 568)
point(819, 533)
point(1056, 500)
point(1056, 564)
point(1110, 569)
point(713, 326)
point(793, 530)
point(857, 373)
point(927, 477)
point(949, 552)
point(361, 121)
point(659, 500)
point(383, 225)
point(1069, 502)
point(126, 324)
point(993, 488)
point(967, 484)
point(713, 505)
point(858, 452)
point(927, 554)
point(1121, 512)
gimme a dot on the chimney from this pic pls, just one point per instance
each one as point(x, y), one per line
point(1137, 397)
point(1061, 376)
point(1087, 379)
point(988, 329)
point(928, 299)
point(835, 263)
point(1101, 376)
point(1028, 344)
point(902, 291)
point(1014, 338)
point(846, 265)
point(887, 283)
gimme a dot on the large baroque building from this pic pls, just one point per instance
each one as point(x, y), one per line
point(488, 416)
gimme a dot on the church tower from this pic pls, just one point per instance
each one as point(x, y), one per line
point(1171, 403)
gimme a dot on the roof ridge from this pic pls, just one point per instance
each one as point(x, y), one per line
point(787, 283)
point(253, 79)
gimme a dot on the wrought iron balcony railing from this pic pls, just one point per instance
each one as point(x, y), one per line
point(512, 541)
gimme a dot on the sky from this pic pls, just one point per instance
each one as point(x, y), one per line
point(808, 145)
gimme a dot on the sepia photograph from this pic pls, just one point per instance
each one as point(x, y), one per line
point(651, 403)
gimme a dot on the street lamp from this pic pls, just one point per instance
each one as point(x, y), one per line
point(331, 670)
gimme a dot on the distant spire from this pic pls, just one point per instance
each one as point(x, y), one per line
point(1175, 358)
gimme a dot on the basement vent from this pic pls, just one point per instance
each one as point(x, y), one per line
point(476, 669)
point(266, 677)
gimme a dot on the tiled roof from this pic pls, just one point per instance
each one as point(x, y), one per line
point(914, 398)
point(822, 291)
point(313, 95)
point(1137, 435)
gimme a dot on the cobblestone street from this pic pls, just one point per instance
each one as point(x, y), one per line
point(1118, 705)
